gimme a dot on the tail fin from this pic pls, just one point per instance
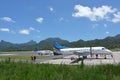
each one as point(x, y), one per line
point(36, 49)
point(58, 46)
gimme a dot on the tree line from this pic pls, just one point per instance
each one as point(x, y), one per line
point(108, 42)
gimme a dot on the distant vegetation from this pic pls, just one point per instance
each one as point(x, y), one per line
point(30, 71)
point(108, 42)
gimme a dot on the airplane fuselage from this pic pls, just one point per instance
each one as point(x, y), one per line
point(85, 51)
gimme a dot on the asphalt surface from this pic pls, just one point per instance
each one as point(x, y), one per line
point(18, 54)
point(88, 61)
point(64, 59)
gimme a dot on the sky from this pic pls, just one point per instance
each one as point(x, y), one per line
point(72, 20)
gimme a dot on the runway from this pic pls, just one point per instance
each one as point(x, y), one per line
point(64, 59)
point(19, 53)
point(88, 61)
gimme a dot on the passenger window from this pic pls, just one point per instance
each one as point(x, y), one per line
point(103, 48)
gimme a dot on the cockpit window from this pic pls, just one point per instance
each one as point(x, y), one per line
point(103, 48)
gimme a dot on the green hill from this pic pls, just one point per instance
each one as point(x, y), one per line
point(108, 42)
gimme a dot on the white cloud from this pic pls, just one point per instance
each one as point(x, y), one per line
point(51, 9)
point(105, 25)
point(82, 11)
point(38, 31)
point(107, 32)
point(28, 31)
point(7, 19)
point(5, 29)
point(94, 14)
point(61, 19)
point(24, 31)
point(39, 19)
point(31, 28)
point(116, 17)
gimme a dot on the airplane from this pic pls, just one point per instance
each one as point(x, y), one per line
point(83, 51)
point(43, 52)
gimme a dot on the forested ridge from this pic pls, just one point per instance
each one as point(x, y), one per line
point(108, 42)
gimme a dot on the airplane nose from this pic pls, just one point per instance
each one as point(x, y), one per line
point(109, 51)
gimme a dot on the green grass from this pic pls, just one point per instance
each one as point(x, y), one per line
point(30, 71)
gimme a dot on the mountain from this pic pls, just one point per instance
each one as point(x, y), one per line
point(108, 42)
point(48, 43)
point(7, 46)
point(30, 43)
point(4, 44)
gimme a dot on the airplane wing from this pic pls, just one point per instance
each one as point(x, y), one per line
point(52, 58)
point(84, 53)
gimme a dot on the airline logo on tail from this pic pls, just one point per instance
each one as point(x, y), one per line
point(36, 49)
point(58, 46)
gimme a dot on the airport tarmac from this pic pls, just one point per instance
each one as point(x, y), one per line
point(88, 61)
point(63, 59)
point(18, 54)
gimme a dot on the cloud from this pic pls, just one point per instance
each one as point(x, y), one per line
point(51, 9)
point(61, 19)
point(28, 31)
point(39, 19)
point(5, 29)
point(94, 14)
point(107, 32)
point(116, 17)
point(31, 28)
point(24, 31)
point(7, 19)
point(38, 31)
point(105, 25)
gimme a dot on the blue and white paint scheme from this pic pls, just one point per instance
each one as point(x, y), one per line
point(83, 51)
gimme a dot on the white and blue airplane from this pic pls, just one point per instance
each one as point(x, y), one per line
point(43, 52)
point(83, 51)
